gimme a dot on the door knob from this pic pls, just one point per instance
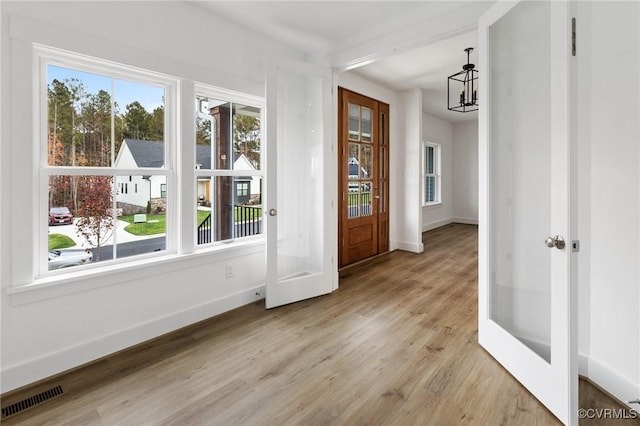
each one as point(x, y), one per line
point(273, 212)
point(557, 242)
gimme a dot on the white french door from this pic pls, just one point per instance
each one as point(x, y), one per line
point(525, 286)
point(300, 215)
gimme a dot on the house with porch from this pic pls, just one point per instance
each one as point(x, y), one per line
point(135, 191)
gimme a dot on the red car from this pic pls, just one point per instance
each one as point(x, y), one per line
point(60, 216)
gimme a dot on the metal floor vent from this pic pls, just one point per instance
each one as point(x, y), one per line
point(15, 408)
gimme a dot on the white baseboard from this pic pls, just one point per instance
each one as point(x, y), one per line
point(609, 380)
point(436, 224)
point(439, 223)
point(412, 247)
point(30, 371)
point(465, 220)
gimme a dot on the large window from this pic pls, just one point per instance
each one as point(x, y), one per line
point(228, 166)
point(111, 184)
point(105, 161)
point(431, 173)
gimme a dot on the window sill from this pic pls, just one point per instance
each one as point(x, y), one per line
point(85, 280)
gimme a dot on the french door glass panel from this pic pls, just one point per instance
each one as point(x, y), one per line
point(299, 181)
point(300, 184)
point(520, 159)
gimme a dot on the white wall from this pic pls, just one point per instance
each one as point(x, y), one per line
point(408, 173)
point(609, 214)
point(54, 328)
point(439, 131)
point(465, 172)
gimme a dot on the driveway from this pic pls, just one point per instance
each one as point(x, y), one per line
point(122, 236)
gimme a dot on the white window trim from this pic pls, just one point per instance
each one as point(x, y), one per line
point(438, 173)
point(24, 35)
point(44, 56)
point(178, 248)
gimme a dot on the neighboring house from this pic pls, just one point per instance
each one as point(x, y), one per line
point(134, 192)
point(245, 188)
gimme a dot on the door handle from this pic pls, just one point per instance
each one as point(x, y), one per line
point(557, 242)
point(273, 212)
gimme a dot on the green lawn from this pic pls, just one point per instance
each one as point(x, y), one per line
point(59, 241)
point(157, 223)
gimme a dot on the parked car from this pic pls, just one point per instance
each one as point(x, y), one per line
point(60, 216)
point(66, 258)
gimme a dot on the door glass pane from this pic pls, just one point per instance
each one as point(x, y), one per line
point(383, 163)
point(300, 180)
point(366, 162)
point(366, 124)
point(354, 122)
point(353, 200)
point(365, 199)
point(353, 162)
point(520, 267)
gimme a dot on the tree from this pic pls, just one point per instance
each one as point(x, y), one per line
point(246, 137)
point(60, 128)
point(95, 222)
point(203, 131)
point(156, 124)
point(96, 119)
point(137, 122)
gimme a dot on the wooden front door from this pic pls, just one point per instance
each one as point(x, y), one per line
point(363, 125)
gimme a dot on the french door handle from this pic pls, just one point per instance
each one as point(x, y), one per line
point(273, 212)
point(557, 242)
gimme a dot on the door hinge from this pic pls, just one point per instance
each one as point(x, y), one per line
point(573, 36)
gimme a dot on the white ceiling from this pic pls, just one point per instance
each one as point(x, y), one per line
point(326, 26)
point(427, 68)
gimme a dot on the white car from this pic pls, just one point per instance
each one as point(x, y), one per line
point(66, 258)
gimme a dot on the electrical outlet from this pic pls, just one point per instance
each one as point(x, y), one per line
point(229, 271)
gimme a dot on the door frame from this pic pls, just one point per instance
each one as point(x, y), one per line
point(380, 168)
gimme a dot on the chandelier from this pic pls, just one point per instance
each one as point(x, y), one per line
point(462, 88)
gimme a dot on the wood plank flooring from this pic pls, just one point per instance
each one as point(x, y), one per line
point(395, 345)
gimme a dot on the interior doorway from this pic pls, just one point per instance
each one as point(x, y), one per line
point(363, 135)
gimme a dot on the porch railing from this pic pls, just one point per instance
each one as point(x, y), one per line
point(247, 221)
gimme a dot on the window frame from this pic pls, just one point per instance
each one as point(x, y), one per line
point(436, 174)
point(45, 56)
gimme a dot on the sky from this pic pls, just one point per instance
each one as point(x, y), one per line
point(150, 97)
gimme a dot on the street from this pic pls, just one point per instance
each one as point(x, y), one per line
point(133, 248)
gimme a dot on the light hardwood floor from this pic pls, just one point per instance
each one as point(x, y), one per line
point(396, 344)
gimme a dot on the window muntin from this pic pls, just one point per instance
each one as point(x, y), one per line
point(104, 155)
point(228, 156)
point(431, 173)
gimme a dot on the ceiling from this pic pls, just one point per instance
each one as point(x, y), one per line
point(427, 67)
point(326, 26)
